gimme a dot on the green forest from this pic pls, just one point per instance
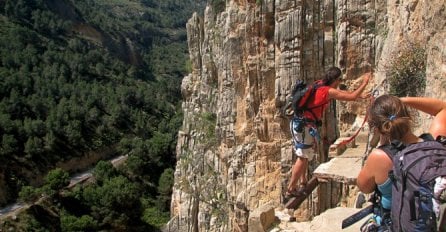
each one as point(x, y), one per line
point(78, 76)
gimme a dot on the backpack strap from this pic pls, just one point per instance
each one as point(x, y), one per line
point(314, 87)
point(441, 139)
point(391, 149)
point(396, 145)
point(427, 137)
point(303, 102)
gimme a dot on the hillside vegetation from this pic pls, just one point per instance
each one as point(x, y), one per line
point(81, 76)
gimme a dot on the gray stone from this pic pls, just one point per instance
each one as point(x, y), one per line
point(262, 218)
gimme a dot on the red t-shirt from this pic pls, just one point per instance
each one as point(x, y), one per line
point(319, 99)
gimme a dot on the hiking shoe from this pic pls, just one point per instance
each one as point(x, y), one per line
point(295, 193)
point(302, 189)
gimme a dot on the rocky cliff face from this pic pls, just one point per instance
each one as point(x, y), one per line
point(234, 149)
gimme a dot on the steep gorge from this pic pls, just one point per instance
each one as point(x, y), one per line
point(234, 149)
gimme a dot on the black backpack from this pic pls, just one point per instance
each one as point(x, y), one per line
point(301, 94)
point(415, 168)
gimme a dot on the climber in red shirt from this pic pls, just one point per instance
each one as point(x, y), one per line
point(304, 126)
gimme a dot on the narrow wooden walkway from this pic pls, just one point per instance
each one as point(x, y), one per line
point(344, 165)
point(295, 202)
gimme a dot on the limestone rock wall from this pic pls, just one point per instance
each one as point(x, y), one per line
point(234, 149)
point(415, 22)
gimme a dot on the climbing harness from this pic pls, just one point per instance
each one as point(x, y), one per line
point(297, 129)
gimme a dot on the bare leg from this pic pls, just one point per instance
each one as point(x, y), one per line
point(303, 176)
point(298, 172)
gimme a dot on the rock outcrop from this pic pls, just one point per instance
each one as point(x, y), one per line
point(234, 149)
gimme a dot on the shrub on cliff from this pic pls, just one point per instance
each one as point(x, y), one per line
point(406, 72)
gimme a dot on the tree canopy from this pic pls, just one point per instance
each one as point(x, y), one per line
point(80, 76)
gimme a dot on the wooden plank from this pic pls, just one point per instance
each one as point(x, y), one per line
point(295, 202)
